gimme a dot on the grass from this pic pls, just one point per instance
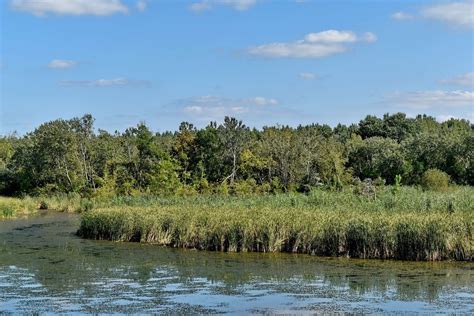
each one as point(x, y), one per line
point(11, 207)
point(14, 207)
point(411, 224)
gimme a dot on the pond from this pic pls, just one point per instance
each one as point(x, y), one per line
point(46, 268)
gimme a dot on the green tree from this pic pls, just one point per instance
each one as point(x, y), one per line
point(184, 151)
point(397, 126)
point(209, 153)
point(378, 157)
point(371, 126)
point(232, 135)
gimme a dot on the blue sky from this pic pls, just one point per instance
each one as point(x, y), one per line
point(265, 62)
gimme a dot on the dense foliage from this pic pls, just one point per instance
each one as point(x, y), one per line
point(70, 156)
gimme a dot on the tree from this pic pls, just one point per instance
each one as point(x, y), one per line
point(371, 126)
point(47, 161)
point(184, 150)
point(277, 144)
point(209, 153)
point(69, 156)
point(82, 129)
point(425, 151)
point(398, 126)
point(232, 135)
point(165, 179)
point(378, 157)
point(6, 175)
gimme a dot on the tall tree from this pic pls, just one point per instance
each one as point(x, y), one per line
point(232, 136)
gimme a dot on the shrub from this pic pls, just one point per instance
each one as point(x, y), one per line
point(244, 187)
point(6, 210)
point(435, 180)
point(86, 205)
point(43, 205)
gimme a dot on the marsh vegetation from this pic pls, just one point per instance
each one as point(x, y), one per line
point(412, 225)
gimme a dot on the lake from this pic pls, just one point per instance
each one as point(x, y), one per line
point(46, 268)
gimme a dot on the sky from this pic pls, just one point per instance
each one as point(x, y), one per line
point(266, 62)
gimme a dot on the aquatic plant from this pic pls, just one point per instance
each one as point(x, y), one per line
point(321, 223)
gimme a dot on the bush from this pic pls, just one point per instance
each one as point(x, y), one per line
point(43, 205)
point(244, 187)
point(86, 205)
point(6, 210)
point(435, 180)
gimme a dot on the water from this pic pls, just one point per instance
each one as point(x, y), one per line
point(45, 268)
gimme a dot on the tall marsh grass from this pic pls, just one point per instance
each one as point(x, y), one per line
point(14, 207)
point(10, 207)
point(411, 225)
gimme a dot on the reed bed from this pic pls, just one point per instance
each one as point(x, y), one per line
point(11, 207)
point(15, 207)
point(412, 225)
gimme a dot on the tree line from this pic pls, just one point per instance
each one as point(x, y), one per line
point(64, 156)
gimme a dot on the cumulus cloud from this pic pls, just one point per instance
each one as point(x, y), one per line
point(314, 45)
point(212, 107)
point(104, 82)
point(69, 7)
point(401, 16)
point(141, 5)
point(239, 5)
point(466, 79)
point(432, 99)
point(61, 64)
point(457, 14)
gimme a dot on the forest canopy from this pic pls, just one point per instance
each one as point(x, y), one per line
point(65, 156)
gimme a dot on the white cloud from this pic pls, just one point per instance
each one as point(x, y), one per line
point(141, 5)
point(458, 14)
point(432, 99)
point(331, 36)
point(70, 7)
point(296, 50)
point(264, 101)
point(211, 107)
point(308, 75)
point(61, 64)
point(401, 16)
point(446, 117)
point(104, 82)
point(239, 5)
point(466, 79)
point(314, 45)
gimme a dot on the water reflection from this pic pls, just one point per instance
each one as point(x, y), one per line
point(45, 267)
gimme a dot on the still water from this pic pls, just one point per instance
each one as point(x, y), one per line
point(45, 268)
